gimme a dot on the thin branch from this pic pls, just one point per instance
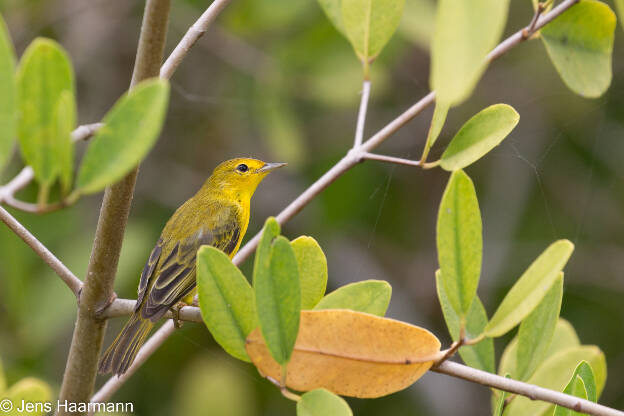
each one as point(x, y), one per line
point(191, 36)
point(348, 161)
point(81, 368)
point(529, 390)
point(42, 251)
point(390, 159)
point(150, 347)
point(359, 129)
point(123, 307)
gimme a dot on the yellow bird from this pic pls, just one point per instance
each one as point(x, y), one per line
point(217, 215)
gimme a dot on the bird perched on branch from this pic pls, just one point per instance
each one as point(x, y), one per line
point(217, 215)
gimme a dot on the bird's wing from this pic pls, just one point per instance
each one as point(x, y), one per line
point(175, 277)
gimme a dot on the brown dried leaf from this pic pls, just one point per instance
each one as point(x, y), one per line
point(351, 354)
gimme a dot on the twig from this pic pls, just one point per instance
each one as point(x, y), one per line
point(529, 390)
point(122, 307)
point(349, 160)
point(530, 29)
point(359, 129)
point(191, 36)
point(42, 251)
point(80, 371)
point(390, 159)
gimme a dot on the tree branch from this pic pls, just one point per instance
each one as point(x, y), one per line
point(353, 157)
point(97, 292)
point(359, 129)
point(42, 251)
point(123, 307)
point(525, 389)
point(191, 36)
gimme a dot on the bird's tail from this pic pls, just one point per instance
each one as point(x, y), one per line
point(124, 349)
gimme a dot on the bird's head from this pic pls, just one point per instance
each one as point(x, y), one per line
point(241, 174)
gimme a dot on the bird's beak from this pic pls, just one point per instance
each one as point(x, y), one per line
point(271, 167)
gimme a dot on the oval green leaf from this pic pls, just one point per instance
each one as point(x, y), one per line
point(480, 355)
point(8, 103)
point(465, 31)
point(262, 260)
point(43, 74)
point(29, 390)
point(554, 374)
point(530, 289)
point(619, 5)
point(580, 45)
point(582, 384)
point(484, 131)
point(460, 242)
point(278, 300)
point(500, 402)
point(130, 129)
point(226, 301)
point(370, 296)
point(536, 331)
point(65, 122)
point(321, 402)
point(333, 11)
point(369, 25)
point(312, 270)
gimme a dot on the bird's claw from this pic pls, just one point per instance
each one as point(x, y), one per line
point(175, 312)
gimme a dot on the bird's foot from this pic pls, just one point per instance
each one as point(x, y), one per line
point(175, 312)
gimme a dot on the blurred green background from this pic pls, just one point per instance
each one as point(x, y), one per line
point(274, 80)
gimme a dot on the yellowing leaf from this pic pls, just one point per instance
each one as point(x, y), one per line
point(29, 390)
point(351, 354)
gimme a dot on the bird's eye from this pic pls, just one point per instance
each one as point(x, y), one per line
point(242, 168)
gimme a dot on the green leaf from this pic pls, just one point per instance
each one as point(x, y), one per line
point(536, 331)
point(554, 374)
point(465, 31)
point(278, 300)
point(65, 122)
point(530, 289)
point(321, 402)
point(576, 388)
point(333, 11)
point(262, 261)
point(582, 384)
point(8, 102)
point(500, 403)
point(30, 390)
point(370, 296)
point(563, 338)
point(43, 74)
point(369, 25)
point(459, 242)
point(484, 131)
point(580, 45)
point(226, 301)
point(437, 122)
point(480, 355)
point(130, 129)
point(312, 270)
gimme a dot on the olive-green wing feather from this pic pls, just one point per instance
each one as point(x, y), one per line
point(175, 274)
